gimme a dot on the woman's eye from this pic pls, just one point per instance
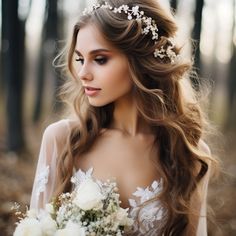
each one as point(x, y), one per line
point(101, 60)
point(81, 60)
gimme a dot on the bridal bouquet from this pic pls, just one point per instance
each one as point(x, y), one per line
point(92, 208)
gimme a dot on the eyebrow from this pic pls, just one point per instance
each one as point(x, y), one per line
point(94, 51)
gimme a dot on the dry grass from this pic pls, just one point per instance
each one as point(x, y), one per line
point(222, 193)
point(15, 184)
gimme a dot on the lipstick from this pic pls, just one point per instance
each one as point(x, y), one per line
point(90, 91)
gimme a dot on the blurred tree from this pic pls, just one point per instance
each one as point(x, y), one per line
point(2, 48)
point(13, 35)
point(47, 53)
point(232, 76)
point(60, 76)
point(174, 4)
point(196, 36)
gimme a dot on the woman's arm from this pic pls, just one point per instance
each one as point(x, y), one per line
point(199, 200)
point(53, 142)
point(202, 223)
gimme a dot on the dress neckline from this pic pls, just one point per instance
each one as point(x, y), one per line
point(141, 194)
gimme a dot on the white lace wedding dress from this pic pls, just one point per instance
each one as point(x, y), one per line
point(152, 216)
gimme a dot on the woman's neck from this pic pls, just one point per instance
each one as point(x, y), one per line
point(126, 118)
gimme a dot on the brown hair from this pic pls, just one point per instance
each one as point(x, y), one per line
point(161, 102)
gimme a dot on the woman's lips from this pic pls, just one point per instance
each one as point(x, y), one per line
point(90, 91)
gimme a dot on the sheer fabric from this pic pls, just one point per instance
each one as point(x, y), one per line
point(152, 216)
point(53, 141)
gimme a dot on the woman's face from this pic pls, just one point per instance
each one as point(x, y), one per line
point(102, 69)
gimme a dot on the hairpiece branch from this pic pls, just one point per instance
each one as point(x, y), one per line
point(149, 26)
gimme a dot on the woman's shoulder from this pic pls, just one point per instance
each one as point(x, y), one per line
point(59, 130)
point(203, 146)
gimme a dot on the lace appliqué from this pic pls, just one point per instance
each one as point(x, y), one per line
point(42, 180)
point(80, 176)
point(149, 219)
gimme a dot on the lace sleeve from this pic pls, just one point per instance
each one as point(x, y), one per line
point(53, 141)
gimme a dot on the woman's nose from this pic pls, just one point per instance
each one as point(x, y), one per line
point(84, 73)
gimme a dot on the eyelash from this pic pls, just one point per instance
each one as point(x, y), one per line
point(100, 61)
point(79, 59)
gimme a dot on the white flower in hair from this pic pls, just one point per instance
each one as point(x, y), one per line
point(135, 10)
point(168, 52)
point(149, 26)
point(132, 14)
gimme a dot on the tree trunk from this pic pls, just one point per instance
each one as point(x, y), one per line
point(46, 56)
point(232, 78)
point(174, 4)
point(196, 35)
point(13, 35)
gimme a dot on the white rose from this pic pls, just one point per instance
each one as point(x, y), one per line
point(88, 196)
point(28, 227)
point(32, 213)
point(122, 217)
point(71, 229)
point(49, 208)
point(48, 226)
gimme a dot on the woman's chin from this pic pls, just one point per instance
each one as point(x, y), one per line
point(97, 103)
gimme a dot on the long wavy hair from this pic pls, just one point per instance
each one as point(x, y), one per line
point(163, 101)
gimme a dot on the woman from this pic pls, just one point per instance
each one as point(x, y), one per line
point(133, 120)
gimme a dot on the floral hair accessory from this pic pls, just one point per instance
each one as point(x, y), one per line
point(149, 26)
point(167, 52)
